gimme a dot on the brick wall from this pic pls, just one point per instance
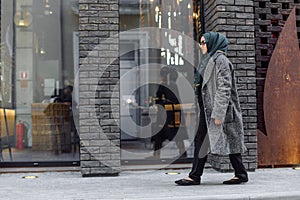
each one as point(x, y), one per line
point(99, 93)
point(235, 19)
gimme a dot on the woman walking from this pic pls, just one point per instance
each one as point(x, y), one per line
point(220, 129)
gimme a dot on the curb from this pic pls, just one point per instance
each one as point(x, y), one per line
point(263, 196)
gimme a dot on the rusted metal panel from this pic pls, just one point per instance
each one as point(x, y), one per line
point(281, 144)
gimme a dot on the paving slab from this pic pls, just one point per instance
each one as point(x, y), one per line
point(279, 183)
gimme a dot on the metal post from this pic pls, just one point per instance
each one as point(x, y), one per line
point(202, 16)
point(7, 133)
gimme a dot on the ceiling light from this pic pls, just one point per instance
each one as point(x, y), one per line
point(23, 18)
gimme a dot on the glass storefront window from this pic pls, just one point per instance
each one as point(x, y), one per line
point(155, 62)
point(39, 52)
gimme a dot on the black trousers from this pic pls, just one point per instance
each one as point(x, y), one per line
point(200, 155)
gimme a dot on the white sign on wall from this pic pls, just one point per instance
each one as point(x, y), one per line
point(24, 75)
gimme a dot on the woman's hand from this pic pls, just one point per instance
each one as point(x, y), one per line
point(218, 122)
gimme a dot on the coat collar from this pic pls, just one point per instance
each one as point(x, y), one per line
point(209, 67)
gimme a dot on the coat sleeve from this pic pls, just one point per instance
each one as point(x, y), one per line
point(223, 88)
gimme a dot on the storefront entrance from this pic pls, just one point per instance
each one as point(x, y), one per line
point(39, 60)
point(39, 55)
point(154, 128)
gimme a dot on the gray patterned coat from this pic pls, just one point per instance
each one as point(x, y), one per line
point(220, 100)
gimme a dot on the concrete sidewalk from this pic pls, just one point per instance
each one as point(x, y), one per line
point(281, 183)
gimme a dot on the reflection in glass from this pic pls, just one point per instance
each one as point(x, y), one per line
point(39, 50)
point(172, 21)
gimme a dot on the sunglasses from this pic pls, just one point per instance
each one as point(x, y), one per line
point(203, 42)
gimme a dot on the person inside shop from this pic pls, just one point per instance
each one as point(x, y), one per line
point(66, 98)
point(168, 95)
point(62, 118)
point(220, 128)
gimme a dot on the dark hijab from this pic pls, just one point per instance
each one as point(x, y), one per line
point(214, 42)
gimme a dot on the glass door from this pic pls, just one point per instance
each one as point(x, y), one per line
point(38, 58)
point(157, 56)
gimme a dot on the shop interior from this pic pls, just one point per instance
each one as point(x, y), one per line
point(39, 62)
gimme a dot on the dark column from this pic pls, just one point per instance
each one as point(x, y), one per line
point(99, 93)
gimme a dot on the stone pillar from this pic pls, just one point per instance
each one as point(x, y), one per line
point(98, 87)
point(235, 19)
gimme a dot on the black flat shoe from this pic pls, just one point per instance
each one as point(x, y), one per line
point(185, 182)
point(236, 180)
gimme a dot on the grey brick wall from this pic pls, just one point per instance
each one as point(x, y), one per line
point(98, 84)
point(235, 19)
